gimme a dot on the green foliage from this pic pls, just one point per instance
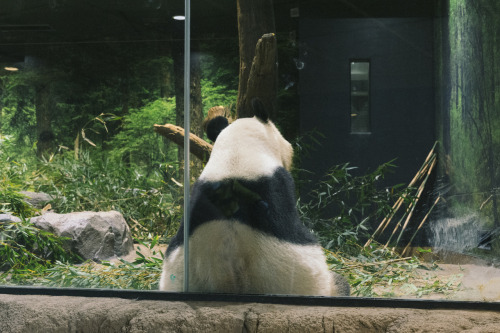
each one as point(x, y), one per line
point(96, 183)
point(17, 112)
point(25, 249)
point(220, 64)
point(122, 275)
point(217, 95)
point(219, 82)
point(343, 205)
point(137, 142)
point(143, 273)
point(12, 174)
point(12, 201)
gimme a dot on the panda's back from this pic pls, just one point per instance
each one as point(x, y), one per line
point(246, 237)
point(230, 257)
point(266, 204)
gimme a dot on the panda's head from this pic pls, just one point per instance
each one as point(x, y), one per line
point(248, 148)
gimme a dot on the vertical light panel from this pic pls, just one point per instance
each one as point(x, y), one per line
point(360, 97)
point(187, 126)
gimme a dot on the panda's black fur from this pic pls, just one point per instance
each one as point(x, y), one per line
point(245, 235)
point(266, 205)
point(215, 126)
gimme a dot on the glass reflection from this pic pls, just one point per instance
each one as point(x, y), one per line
point(83, 85)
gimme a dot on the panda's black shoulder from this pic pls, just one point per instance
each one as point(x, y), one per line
point(266, 204)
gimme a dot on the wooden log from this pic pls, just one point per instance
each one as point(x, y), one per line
point(197, 146)
point(216, 111)
point(262, 82)
point(249, 12)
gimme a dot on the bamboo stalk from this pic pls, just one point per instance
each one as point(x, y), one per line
point(420, 225)
point(424, 165)
point(411, 208)
point(408, 211)
point(384, 262)
point(403, 197)
point(414, 204)
point(385, 222)
point(357, 264)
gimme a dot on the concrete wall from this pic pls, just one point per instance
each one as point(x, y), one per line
point(86, 314)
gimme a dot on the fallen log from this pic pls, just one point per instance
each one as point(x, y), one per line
point(197, 146)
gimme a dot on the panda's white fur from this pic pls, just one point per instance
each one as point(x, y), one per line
point(229, 255)
point(248, 149)
point(245, 261)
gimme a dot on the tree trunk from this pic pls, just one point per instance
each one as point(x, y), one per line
point(255, 19)
point(43, 107)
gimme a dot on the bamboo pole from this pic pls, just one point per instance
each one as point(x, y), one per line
point(414, 204)
point(420, 226)
point(409, 210)
point(385, 222)
point(384, 262)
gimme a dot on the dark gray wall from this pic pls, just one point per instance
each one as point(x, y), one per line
point(401, 88)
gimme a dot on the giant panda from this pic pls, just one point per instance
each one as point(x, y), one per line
point(245, 234)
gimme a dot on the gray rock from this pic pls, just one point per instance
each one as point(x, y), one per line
point(9, 218)
point(37, 199)
point(93, 235)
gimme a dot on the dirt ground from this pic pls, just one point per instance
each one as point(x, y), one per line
point(467, 282)
point(479, 283)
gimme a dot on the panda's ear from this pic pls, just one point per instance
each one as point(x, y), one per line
point(259, 110)
point(215, 126)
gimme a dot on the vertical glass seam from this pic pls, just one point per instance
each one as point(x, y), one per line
point(187, 125)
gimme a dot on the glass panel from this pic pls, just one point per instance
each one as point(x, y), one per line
point(360, 97)
point(83, 83)
point(85, 96)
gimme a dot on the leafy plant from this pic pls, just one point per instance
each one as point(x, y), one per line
point(14, 173)
point(96, 183)
point(217, 95)
point(343, 205)
point(137, 143)
point(123, 275)
point(379, 272)
point(25, 249)
point(143, 273)
point(13, 202)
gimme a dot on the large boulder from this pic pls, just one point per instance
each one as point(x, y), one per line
point(37, 199)
point(9, 218)
point(92, 235)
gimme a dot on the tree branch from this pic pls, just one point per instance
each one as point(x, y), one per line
point(197, 146)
